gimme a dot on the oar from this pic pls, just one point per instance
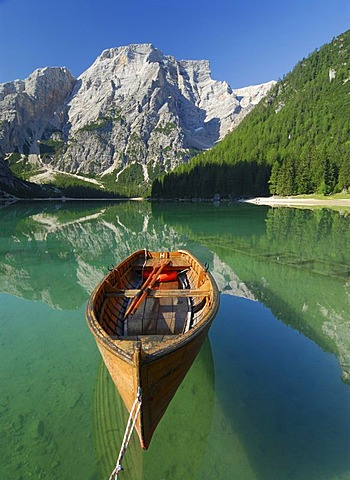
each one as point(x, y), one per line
point(142, 294)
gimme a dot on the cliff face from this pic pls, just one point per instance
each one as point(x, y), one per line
point(30, 110)
point(133, 105)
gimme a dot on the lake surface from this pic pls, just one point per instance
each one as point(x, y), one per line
point(268, 397)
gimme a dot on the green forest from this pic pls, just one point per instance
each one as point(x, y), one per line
point(296, 141)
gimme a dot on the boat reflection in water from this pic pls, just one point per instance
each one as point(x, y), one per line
point(180, 442)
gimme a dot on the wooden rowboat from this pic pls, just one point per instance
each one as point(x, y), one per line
point(149, 325)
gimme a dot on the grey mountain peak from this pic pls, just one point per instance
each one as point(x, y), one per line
point(132, 105)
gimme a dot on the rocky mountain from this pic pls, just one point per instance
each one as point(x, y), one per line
point(133, 108)
point(33, 108)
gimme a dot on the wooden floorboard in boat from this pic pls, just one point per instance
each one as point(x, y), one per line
point(144, 320)
point(159, 316)
point(166, 317)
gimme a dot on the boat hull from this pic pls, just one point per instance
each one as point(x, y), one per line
point(158, 378)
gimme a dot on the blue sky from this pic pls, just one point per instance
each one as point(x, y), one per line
point(246, 41)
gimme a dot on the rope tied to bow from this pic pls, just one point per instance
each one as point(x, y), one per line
point(135, 409)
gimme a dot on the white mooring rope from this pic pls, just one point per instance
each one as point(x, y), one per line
point(135, 409)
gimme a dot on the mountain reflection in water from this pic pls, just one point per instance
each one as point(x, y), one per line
point(296, 262)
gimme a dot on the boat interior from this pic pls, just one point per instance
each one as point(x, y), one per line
point(153, 297)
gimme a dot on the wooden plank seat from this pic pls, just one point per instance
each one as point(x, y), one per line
point(202, 291)
point(176, 263)
point(178, 268)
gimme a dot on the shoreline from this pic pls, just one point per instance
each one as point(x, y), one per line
point(268, 201)
point(295, 202)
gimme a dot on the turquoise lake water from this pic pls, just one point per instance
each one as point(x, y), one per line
point(268, 397)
